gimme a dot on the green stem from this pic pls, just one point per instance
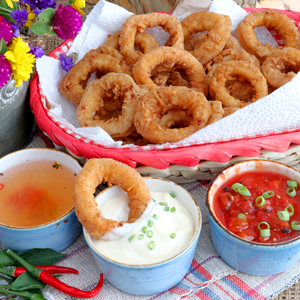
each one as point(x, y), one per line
point(35, 272)
point(6, 10)
point(8, 272)
point(25, 295)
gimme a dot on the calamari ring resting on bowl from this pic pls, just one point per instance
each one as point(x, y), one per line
point(230, 69)
point(269, 18)
point(218, 27)
point(281, 67)
point(170, 58)
point(97, 171)
point(145, 41)
point(154, 104)
point(120, 86)
point(73, 84)
point(139, 23)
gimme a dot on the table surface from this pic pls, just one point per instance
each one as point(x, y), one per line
point(146, 6)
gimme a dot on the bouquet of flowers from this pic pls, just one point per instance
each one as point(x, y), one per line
point(22, 23)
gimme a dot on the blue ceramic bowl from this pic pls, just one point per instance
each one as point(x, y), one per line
point(153, 278)
point(251, 257)
point(58, 234)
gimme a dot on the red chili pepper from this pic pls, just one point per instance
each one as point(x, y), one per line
point(69, 290)
point(17, 271)
point(1, 186)
point(47, 278)
point(49, 268)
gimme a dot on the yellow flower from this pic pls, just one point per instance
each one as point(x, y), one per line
point(20, 60)
point(79, 4)
point(10, 4)
point(31, 17)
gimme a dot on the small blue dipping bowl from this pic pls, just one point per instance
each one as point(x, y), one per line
point(58, 234)
point(246, 256)
point(153, 278)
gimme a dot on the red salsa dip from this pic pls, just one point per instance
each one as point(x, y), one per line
point(260, 206)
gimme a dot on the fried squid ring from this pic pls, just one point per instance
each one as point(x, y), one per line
point(194, 41)
point(97, 171)
point(73, 84)
point(217, 112)
point(120, 86)
point(146, 41)
point(218, 27)
point(139, 23)
point(228, 55)
point(230, 110)
point(281, 67)
point(269, 18)
point(231, 69)
point(170, 58)
point(157, 102)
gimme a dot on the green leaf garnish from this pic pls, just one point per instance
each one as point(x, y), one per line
point(43, 25)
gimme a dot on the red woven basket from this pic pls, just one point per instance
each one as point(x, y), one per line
point(159, 157)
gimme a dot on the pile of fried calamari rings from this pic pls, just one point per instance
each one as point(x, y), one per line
point(145, 93)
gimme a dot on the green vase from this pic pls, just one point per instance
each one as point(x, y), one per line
point(16, 119)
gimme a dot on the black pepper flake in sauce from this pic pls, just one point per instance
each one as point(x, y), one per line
point(245, 199)
point(226, 188)
point(266, 210)
point(286, 230)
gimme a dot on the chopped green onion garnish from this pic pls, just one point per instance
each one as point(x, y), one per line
point(283, 215)
point(150, 223)
point(295, 225)
point(163, 203)
point(173, 236)
point(150, 233)
point(155, 216)
point(265, 232)
point(141, 236)
point(263, 223)
point(235, 186)
point(292, 183)
point(131, 238)
point(153, 200)
point(151, 245)
point(244, 191)
point(172, 195)
point(268, 194)
point(173, 209)
point(290, 209)
point(242, 216)
point(167, 208)
point(239, 188)
point(291, 191)
point(144, 229)
point(260, 201)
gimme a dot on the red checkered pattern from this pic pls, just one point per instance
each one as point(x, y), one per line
point(81, 149)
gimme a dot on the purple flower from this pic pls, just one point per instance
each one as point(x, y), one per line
point(37, 51)
point(6, 31)
point(66, 22)
point(39, 5)
point(21, 17)
point(5, 71)
point(66, 62)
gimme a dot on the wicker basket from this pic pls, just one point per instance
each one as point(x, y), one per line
point(182, 164)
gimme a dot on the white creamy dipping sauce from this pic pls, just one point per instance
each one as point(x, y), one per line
point(130, 244)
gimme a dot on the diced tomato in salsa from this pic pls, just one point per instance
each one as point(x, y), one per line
point(241, 215)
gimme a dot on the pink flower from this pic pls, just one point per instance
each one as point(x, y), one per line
point(66, 22)
point(6, 31)
point(5, 71)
